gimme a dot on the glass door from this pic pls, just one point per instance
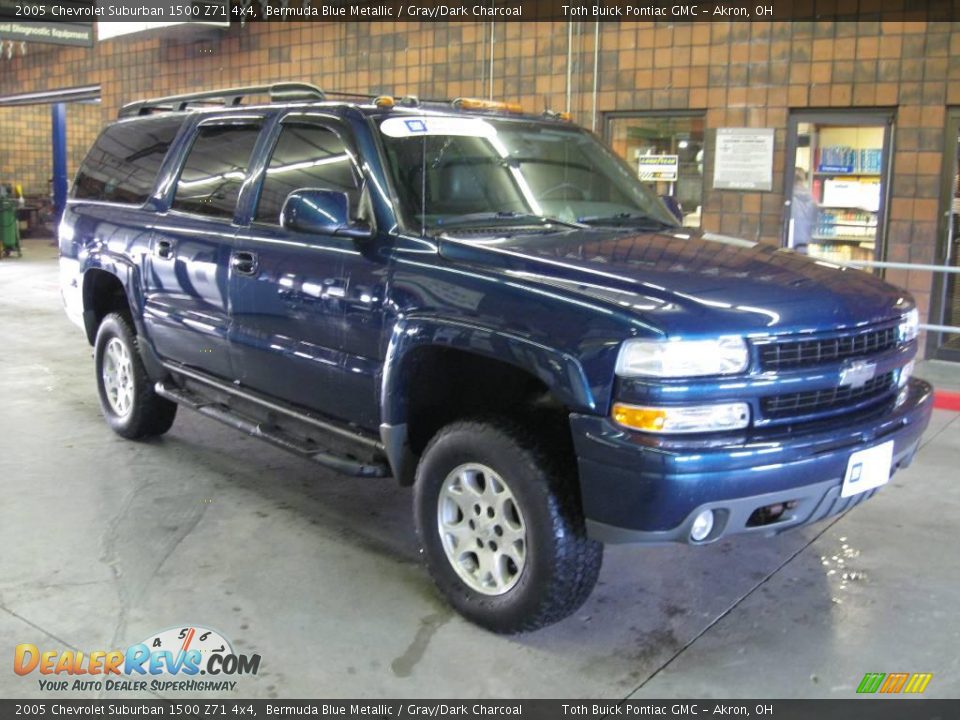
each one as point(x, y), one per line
point(946, 286)
point(836, 187)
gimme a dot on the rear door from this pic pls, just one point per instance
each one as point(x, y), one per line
point(186, 303)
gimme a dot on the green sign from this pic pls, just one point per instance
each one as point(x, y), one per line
point(64, 22)
point(52, 33)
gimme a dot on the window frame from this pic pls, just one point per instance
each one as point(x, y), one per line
point(333, 123)
point(170, 191)
point(608, 118)
point(173, 151)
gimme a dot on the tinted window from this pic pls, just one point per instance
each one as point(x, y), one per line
point(215, 170)
point(461, 171)
point(306, 156)
point(123, 164)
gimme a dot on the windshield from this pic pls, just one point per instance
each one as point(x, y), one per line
point(452, 172)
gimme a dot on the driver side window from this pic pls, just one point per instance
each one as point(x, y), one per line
point(306, 156)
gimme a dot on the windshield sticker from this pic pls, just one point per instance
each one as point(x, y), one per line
point(399, 127)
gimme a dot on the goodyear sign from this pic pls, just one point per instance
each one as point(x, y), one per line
point(658, 168)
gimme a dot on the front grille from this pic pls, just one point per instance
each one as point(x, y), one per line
point(817, 401)
point(793, 354)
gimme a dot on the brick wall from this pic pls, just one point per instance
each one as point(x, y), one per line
point(740, 74)
point(26, 156)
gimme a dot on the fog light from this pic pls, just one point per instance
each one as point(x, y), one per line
point(702, 525)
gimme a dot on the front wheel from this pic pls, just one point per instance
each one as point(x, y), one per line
point(127, 399)
point(500, 526)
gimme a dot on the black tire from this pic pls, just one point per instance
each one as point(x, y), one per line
point(561, 564)
point(148, 414)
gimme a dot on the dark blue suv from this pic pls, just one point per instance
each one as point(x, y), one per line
point(486, 305)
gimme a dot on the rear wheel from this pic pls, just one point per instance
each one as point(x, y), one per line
point(127, 399)
point(500, 526)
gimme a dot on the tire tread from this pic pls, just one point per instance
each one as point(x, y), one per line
point(578, 559)
point(152, 414)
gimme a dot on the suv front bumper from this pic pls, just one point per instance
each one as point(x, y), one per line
point(648, 489)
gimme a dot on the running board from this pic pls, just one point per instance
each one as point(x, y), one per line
point(306, 449)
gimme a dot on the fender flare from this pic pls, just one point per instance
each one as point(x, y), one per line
point(561, 372)
point(128, 275)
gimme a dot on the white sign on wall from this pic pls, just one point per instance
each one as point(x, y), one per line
point(743, 159)
point(109, 30)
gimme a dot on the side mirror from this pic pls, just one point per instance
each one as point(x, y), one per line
point(321, 212)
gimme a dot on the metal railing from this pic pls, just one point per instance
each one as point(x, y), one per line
point(948, 269)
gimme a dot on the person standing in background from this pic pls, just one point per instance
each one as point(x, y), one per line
point(803, 211)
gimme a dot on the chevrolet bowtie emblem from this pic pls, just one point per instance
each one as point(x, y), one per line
point(857, 373)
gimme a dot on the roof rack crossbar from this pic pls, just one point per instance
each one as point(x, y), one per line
point(278, 92)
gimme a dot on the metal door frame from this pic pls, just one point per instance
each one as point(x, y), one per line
point(941, 280)
point(871, 116)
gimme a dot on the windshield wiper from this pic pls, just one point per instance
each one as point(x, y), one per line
point(633, 220)
point(504, 217)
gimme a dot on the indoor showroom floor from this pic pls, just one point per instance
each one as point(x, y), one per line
point(106, 542)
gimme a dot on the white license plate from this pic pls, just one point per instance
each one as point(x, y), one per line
point(868, 469)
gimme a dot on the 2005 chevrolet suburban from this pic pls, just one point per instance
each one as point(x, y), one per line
point(490, 307)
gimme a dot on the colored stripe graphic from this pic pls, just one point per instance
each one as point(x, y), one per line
point(894, 682)
point(870, 683)
point(918, 682)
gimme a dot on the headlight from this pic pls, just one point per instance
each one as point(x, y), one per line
point(682, 358)
point(909, 326)
point(688, 419)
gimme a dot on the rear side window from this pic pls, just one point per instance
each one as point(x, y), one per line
point(306, 156)
point(122, 166)
point(216, 169)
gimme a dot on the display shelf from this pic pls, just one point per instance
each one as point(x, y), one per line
point(827, 239)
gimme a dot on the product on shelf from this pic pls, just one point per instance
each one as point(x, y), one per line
point(845, 160)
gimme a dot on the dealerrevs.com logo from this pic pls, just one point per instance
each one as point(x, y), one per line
point(170, 660)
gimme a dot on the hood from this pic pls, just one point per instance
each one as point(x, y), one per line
point(690, 283)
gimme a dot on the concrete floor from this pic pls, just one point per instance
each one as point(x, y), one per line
point(105, 542)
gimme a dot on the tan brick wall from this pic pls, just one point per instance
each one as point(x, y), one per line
point(26, 155)
point(740, 74)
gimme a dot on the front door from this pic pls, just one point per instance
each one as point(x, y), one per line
point(290, 300)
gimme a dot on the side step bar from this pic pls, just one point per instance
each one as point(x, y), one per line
point(351, 437)
point(308, 450)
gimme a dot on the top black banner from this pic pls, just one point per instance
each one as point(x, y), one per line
point(666, 11)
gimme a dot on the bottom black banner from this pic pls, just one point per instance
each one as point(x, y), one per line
point(874, 709)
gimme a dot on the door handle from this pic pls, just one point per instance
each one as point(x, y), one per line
point(243, 262)
point(164, 249)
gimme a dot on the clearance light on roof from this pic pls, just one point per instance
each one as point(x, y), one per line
point(479, 104)
point(554, 115)
point(384, 101)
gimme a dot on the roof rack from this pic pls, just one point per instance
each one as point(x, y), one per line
point(278, 92)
